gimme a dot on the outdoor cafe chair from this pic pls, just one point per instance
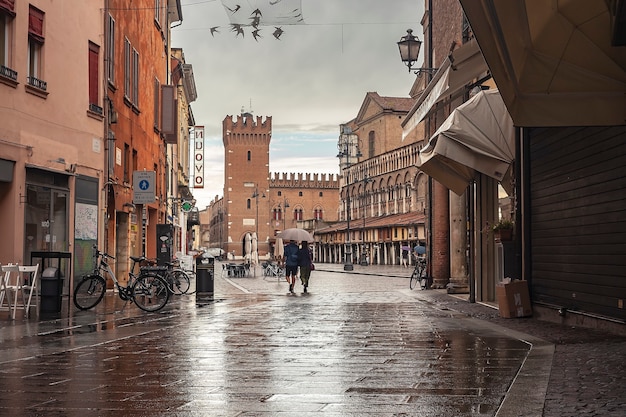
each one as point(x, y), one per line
point(20, 280)
point(28, 275)
point(5, 280)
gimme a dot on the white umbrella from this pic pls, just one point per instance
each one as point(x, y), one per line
point(279, 250)
point(255, 252)
point(255, 248)
point(299, 235)
point(247, 246)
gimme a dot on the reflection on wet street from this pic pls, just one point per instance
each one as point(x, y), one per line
point(377, 353)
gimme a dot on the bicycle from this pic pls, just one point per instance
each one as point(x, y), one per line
point(419, 273)
point(177, 279)
point(273, 269)
point(147, 290)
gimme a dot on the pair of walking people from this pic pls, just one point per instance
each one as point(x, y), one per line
point(298, 257)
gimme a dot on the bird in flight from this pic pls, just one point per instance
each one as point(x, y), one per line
point(278, 32)
point(256, 35)
point(214, 30)
point(235, 10)
point(237, 28)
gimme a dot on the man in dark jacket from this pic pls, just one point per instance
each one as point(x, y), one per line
point(291, 264)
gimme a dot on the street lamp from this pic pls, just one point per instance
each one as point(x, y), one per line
point(255, 195)
point(284, 214)
point(409, 47)
point(348, 141)
point(366, 180)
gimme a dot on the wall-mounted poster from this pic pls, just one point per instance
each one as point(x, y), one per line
point(86, 227)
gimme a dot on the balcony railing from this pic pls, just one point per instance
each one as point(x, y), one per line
point(37, 83)
point(8, 72)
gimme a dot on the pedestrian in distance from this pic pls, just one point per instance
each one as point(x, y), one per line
point(305, 260)
point(405, 257)
point(291, 264)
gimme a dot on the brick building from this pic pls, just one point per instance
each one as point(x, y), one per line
point(383, 195)
point(257, 202)
point(138, 129)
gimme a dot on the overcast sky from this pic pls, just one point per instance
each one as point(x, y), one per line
point(310, 80)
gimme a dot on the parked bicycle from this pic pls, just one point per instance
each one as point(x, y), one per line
point(178, 280)
point(148, 290)
point(419, 273)
point(273, 269)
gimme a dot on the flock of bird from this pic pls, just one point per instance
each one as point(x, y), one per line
point(255, 24)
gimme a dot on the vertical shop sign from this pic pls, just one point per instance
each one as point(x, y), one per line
point(198, 158)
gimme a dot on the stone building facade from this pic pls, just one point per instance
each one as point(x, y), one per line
point(257, 202)
point(383, 195)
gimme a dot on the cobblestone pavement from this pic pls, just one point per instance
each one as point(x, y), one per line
point(358, 344)
point(588, 372)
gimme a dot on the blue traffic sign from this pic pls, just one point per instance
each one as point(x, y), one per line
point(143, 187)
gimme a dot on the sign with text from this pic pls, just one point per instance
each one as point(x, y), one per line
point(198, 157)
point(144, 187)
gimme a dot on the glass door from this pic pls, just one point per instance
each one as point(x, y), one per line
point(46, 223)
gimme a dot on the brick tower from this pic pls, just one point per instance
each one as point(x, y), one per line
point(246, 183)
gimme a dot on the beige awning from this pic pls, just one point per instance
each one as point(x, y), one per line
point(477, 136)
point(552, 60)
point(460, 68)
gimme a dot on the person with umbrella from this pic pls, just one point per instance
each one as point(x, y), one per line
point(304, 262)
point(405, 255)
point(291, 264)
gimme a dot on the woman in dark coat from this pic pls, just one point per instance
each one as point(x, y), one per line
point(304, 262)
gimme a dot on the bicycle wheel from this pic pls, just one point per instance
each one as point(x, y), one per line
point(422, 277)
point(178, 281)
point(415, 277)
point(150, 292)
point(89, 292)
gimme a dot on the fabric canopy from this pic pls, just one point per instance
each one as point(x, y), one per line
point(462, 66)
point(553, 60)
point(477, 136)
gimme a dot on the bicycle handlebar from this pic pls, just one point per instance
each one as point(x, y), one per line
point(98, 253)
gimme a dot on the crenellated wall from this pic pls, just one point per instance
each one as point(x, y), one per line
point(246, 130)
point(306, 180)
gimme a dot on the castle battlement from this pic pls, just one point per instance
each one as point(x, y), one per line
point(245, 130)
point(303, 180)
point(246, 123)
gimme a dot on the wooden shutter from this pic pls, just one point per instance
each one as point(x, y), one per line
point(35, 24)
point(8, 6)
point(94, 52)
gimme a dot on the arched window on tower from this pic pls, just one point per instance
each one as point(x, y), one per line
point(297, 214)
point(317, 214)
point(249, 155)
point(248, 204)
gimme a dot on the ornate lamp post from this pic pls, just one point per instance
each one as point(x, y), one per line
point(285, 206)
point(348, 142)
point(366, 180)
point(409, 47)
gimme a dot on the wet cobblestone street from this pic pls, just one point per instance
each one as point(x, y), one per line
point(356, 345)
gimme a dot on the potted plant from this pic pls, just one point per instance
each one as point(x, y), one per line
point(503, 230)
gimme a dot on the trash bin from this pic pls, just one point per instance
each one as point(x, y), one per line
point(205, 269)
point(51, 290)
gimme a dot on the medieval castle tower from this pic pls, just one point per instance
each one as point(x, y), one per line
point(256, 201)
